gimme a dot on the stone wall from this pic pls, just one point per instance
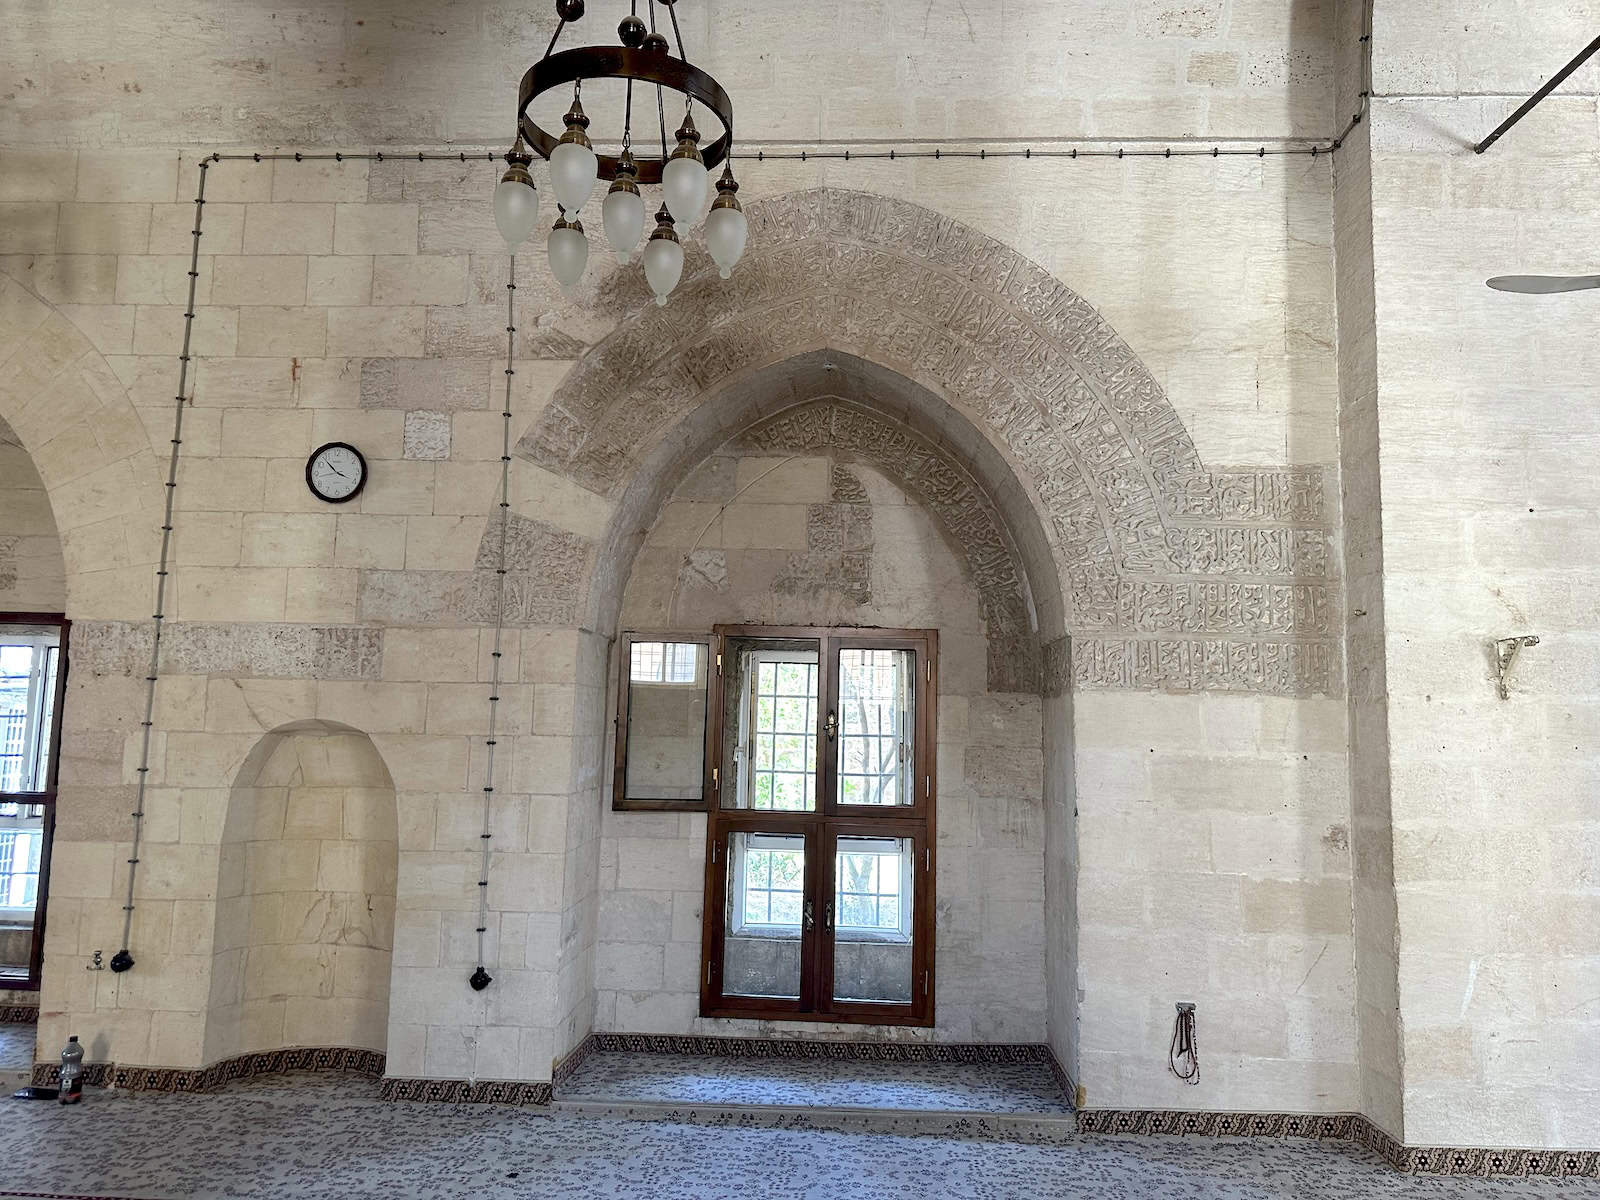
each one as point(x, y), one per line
point(1175, 485)
point(1487, 436)
point(33, 577)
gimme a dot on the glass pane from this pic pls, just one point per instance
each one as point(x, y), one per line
point(872, 907)
point(21, 845)
point(766, 905)
point(769, 721)
point(666, 721)
point(27, 696)
point(876, 729)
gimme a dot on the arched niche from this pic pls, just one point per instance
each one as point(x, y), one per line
point(305, 896)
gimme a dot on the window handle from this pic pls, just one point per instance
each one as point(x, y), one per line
point(827, 915)
point(832, 724)
point(810, 917)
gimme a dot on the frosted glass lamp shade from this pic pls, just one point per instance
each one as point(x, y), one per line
point(685, 184)
point(516, 210)
point(573, 169)
point(569, 253)
point(623, 215)
point(663, 266)
point(726, 230)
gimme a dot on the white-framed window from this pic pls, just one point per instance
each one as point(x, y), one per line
point(20, 850)
point(872, 886)
point(666, 662)
point(769, 875)
point(778, 750)
point(871, 891)
point(28, 664)
point(876, 708)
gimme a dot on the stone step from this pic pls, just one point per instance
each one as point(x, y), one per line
point(1036, 1128)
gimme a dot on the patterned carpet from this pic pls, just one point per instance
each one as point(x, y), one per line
point(16, 1045)
point(818, 1083)
point(311, 1137)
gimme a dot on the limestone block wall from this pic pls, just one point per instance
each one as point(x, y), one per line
point(1487, 431)
point(33, 576)
point(754, 537)
point(365, 302)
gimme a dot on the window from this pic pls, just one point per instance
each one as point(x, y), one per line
point(667, 662)
point(819, 846)
point(663, 693)
point(771, 879)
point(872, 881)
point(27, 704)
point(779, 743)
point(32, 676)
point(875, 707)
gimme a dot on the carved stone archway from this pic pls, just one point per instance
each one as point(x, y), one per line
point(1173, 576)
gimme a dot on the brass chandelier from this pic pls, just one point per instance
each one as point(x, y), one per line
point(643, 56)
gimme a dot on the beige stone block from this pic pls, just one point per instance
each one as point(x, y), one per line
point(430, 655)
point(109, 327)
point(419, 279)
point(38, 175)
point(784, 480)
point(222, 484)
point(448, 543)
point(299, 332)
point(765, 527)
point(374, 707)
point(375, 229)
point(375, 331)
point(246, 705)
point(126, 175)
point(265, 433)
point(159, 330)
point(378, 432)
point(102, 229)
point(293, 228)
point(172, 229)
point(181, 702)
point(231, 593)
point(365, 540)
point(322, 594)
point(284, 485)
point(463, 488)
point(1301, 907)
point(67, 278)
point(339, 279)
point(158, 278)
point(272, 279)
point(320, 181)
point(287, 539)
point(236, 383)
point(423, 763)
point(30, 228)
point(399, 487)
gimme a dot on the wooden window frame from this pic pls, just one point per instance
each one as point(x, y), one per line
point(45, 798)
point(822, 828)
point(619, 780)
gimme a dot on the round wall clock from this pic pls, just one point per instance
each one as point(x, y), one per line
point(336, 472)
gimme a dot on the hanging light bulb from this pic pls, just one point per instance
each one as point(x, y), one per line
point(685, 180)
point(568, 250)
point(516, 200)
point(663, 257)
point(623, 209)
point(573, 166)
point(726, 227)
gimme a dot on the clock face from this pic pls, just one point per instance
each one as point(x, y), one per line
point(336, 472)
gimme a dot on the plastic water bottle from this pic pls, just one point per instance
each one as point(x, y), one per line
point(72, 1072)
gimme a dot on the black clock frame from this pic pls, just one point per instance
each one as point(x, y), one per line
point(360, 483)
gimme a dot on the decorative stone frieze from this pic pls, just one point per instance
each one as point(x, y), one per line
point(249, 650)
point(1146, 539)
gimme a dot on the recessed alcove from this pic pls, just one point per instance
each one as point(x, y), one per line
point(305, 896)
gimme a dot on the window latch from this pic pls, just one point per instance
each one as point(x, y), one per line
point(832, 725)
point(810, 916)
point(827, 915)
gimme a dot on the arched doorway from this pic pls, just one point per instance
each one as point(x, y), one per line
point(305, 896)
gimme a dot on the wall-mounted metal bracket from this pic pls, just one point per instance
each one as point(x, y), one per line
point(1505, 653)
